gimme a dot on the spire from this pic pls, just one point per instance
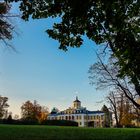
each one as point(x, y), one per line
point(76, 99)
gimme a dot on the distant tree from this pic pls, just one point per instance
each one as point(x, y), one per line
point(128, 116)
point(36, 110)
point(33, 111)
point(113, 104)
point(122, 108)
point(30, 111)
point(108, 116)
point(44, 114)
point(26, 110)
point(3, 106)
point(104, 75)
point(9, 119)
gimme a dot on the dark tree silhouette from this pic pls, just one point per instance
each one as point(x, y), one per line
point(3, 106)
point(105, 75)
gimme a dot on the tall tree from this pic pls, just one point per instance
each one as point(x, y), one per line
point(113, 104)
point(6, 27)
point(3, 105)
point(104, 75)
point(30, 111)
point(122, 108)
point(44, 114)
point(33, 111)
point(108, 116)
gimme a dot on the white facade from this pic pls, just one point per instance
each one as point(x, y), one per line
point(80, 115)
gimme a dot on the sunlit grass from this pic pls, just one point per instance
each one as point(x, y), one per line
point(25, 132)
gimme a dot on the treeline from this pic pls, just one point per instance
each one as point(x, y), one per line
point(30, 111)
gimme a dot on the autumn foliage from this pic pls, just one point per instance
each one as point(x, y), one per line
point(32, 111)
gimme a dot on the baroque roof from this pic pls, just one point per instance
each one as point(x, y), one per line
point(76, 100)
point(78, 111)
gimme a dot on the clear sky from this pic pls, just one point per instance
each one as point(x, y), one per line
point(42, 72)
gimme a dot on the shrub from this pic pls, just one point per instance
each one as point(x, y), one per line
point(60, 123)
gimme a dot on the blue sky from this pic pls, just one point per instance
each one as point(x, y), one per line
point(42, 72)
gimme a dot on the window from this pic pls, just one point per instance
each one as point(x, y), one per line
point(89, 117)
point(102, 124)
point(102, 117)
point(85, 117)
point(72, 117)
point(97, 124)
point(66, 117)
point(85, 123)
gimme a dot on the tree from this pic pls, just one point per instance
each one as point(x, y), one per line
point(44, 114)
point(113, 103)
point(33, 111)
point(30, 111)
point(9, 119)
point(108, 116)
point(6, 27)
point(122, 109)
point(104, 75)
point(3, 105)
point(123, 97)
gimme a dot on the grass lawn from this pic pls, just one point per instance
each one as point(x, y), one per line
point(26, 132)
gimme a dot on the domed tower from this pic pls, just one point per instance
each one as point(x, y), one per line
point(76, 103)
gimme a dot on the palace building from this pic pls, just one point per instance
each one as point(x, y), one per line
point(80, 115)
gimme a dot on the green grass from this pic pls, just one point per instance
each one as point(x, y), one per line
point(22, 132)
